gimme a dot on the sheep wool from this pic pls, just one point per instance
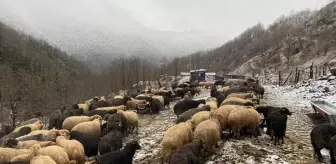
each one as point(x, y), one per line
point(243, 117)
point(42, 159)
point(6, 154)
point(91, 128)
point(209, 132)
point(35, 126)
point(199, 117)
point(62, 132)
point(31, 143)
point(74, 149)
point(131, 105)
point(160, 98)
point(223, 89)
point(120, 107)
point(57, 153)
point(118, 97)
point(174, 138)
point(72, 121)
point(85, 107)
point(237, 101)
point(212, 104)
point(240, 95)
point(224, 112)
point(132, 119)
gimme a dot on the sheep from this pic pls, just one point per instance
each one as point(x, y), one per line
point(212, 103)
point(120, 107)
point(34, 126)
point(117, 120)
point(23, 131)
point(320, 137)
point(132, 120)
point(186, 97)
point(188, 154)
point(73, 148)
point(56, 119)
point(213, 90)
point(174, 138)
point(240, 95)
point(72, 121)
point(237, 101)
point(58, 154)
point(90, 142)
point(42, 159)
point(209, 132)
point(38, 137)
point(124, 156)
point(155, 106)
point(236, 82)
point(220, 98)
point(131, 105)
point(185, 105)
point(205, 84)
point(332, 150)
point(274, 115)
point(101, 113)
point(118, 101)
point(110, 142)
point(13, 143)
point(6, 154)
point(260, 90)
point(223, 89)
point(265, 110)
point(148, 98)
point(238, 90)
point(199, 117)
point(61, 132)
point(219, 82)
point(92, 127)
point(84, 106)
point(160, 98)
point(30, 121)
point(278, 126)
point(243, 117)
point(224, 112)
point(118, 97)
point(166, 100)
point(189, 113)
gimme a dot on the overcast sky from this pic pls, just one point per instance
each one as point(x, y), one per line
point(226, 18)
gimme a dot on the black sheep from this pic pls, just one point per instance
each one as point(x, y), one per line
point(165, 94)
point(320, 138)
point(279, 126)
point(118, 101)
point(274, 115)
point(101, 113)
point(30, 121)
point(166, 101)
point(213, 91)
point(124, 156)
point(116, 121)
point(188, 154)
point(265, 110)
point(144, 97)
point(332, 150)
point(110, 142)
point(220, 98)
point(155, 106)
point(189, 113)
point(56, 119)
point(38, 137)
point(89, 142)
point(185, 105)
point(260, 90)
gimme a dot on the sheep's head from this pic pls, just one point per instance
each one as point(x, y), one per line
point(285, 111)
point(63, 132)
point(39, 124)
point(11, 143)
point(133, 145)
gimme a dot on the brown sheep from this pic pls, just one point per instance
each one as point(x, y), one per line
point(243, 117)
point(209, 132)
point(120, 107)
point(91, 128)
point(13, 143)
point(240, 95)
point(132, 120)
point(131, 105)
point(61, 132)
point(199, 117)
point(74, 149)
point(42, 159)
point(186, 97)
point(212, 102)
point(6, 154)
point(237, 101)
point(57, 153)
point(206, 84)
point(174, 138)
point(223, 89)
point(72, 121)
point(35, 126)
point(224, 112)
point(85, 107)
point(160, 98)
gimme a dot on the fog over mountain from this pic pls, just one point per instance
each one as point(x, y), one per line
point(96, 30)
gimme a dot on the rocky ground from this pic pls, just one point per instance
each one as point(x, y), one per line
point(297, 148)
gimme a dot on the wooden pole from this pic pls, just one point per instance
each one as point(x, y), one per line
point(315, 72)
point(296, 75)
point(279, 78)
point(287, 78)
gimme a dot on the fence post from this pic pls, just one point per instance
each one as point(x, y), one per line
point(296, 74)
point(298, 77)
point(279, 78)
point(315, 71)
point(311, 72)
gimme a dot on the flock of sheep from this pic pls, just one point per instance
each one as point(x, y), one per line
point(94, 131)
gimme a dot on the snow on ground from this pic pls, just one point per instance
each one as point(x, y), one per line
point(296, 149)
